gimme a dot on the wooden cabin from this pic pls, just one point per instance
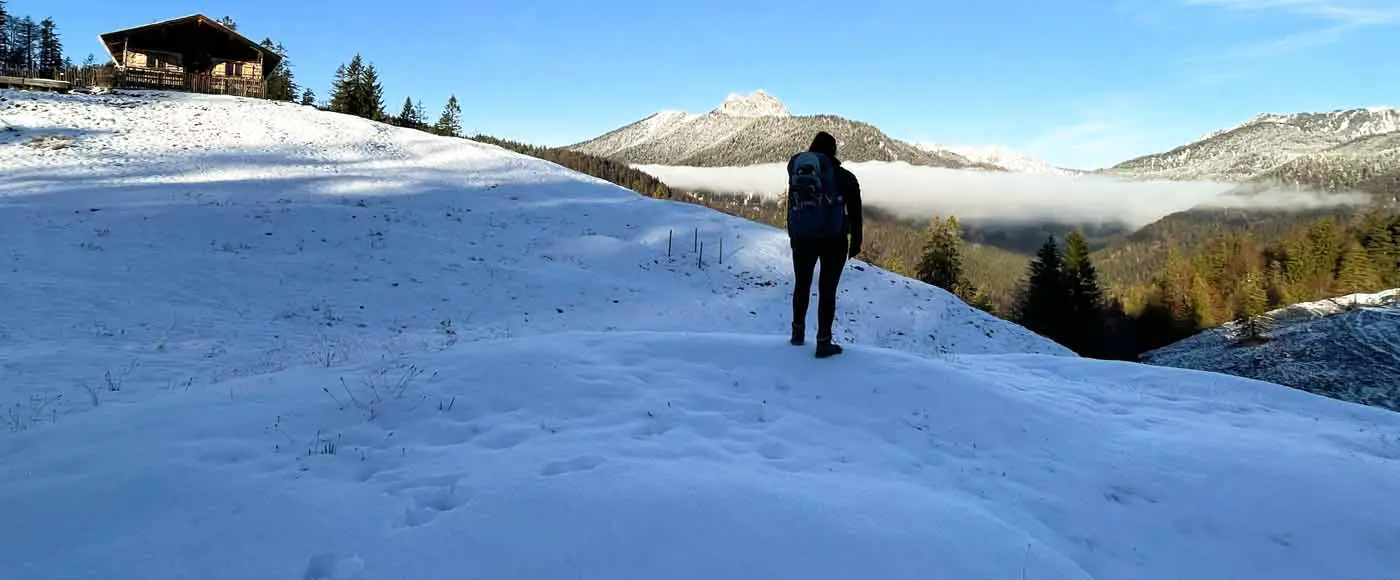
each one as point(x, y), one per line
point(192, 53)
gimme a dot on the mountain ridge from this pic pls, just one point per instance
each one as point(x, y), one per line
point(752, 130)
point(1331, 151)
point(1000, 156)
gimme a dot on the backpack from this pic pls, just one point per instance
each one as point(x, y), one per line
point(816, 209)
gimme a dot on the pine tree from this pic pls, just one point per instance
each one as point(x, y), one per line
point(281, 83)
point(1355, 272)
point(941, 263)
point(1042, 305)
point(1279, 291)
point(308, 96)
point(4, 35)
point(23, 44)
point(340, 90)
point(1380, 237)
point(1250, 312)
point(420, 113)
point(408, 117)
point(228, 21)
point(1085, 297)
point(50, 54)
point(372, 95)
point(1179, 292)
point(90, 61)
point(450, 123)
point(354, 86)
point(1323, 250)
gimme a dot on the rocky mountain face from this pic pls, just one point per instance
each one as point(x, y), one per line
point(755, 129)
point(1337, 151)
point(757, 104)
point(1368, 164)
point(1346, 348)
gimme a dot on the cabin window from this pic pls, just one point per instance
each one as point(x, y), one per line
point(161, 60)
point(233, 69)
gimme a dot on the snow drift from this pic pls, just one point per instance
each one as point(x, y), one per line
point(253, 340)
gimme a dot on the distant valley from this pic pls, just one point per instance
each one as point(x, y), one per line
point(1284, 168)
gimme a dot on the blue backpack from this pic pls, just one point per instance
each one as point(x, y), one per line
point(816, 209)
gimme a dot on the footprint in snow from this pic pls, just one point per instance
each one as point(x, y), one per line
point(584, 463)
point(333, 567)
point(772, 450)
point(430, 501)
point(504, 439)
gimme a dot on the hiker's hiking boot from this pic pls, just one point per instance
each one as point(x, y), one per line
point(826, 348)
point(799, 335)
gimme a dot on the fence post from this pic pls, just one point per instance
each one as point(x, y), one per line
point(700, 257)
point(721, 248)
point(668, 242)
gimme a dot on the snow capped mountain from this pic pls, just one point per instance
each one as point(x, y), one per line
point(756, 104)
point(1346, 348)
point(1268, 142)
point(249, 339)
point(999, 156)
point(751, 130)
point(1366, 164)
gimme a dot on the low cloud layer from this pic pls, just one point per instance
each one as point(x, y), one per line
point(977, 196)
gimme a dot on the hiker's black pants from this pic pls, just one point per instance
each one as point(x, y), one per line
point(805, 255)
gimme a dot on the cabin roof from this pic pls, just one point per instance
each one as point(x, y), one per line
point(155, 32)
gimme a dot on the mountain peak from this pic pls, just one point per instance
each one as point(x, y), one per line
point(755, 104)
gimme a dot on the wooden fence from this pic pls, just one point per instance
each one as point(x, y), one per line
point(134, 78)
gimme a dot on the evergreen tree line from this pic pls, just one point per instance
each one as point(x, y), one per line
point(281, 82)
point(356, 90)
point(600, 167)
point(26, 45)
point(1061, 299)
point(1233, 277)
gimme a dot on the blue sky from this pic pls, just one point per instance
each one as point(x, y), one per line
point(1079, 83)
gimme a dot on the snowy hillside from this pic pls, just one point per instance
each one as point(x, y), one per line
point(246, 339)
point(751, 130)
point(999, 156)
point(1268, 142)
point(1347, 348)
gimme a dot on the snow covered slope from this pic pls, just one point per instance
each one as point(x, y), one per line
point(1008, 159)
point(1267, 142)
point(1347, 348)
point(254, 236)
point(750, 130)
point(252, 340)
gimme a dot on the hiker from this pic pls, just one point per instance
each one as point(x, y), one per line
point(823, 209)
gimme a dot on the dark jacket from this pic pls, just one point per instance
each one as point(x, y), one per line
point(849, 187)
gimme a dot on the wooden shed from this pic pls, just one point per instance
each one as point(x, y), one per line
point(193, 53)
